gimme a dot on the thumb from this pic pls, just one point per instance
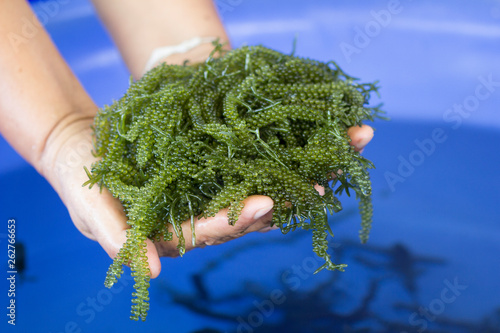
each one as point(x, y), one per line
point(360, 136)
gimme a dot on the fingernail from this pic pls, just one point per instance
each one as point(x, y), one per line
point(261, 212)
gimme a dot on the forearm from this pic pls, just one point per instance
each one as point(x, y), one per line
point(138, 27)
point(39, 95)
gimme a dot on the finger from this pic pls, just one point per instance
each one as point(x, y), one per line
point(110, 226)
point(320, 189)
point(255, 215)
point(153, 259)
point(360, 136)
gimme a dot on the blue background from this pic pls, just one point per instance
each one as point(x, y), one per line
point(440, 201)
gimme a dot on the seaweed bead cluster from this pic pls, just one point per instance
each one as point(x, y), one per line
point(187, 141)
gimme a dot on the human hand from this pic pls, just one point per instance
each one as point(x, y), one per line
point(255, 216)
point(100, 216)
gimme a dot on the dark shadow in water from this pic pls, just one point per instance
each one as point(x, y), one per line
point(321, 308)
point(398, 261)
point(488, 324)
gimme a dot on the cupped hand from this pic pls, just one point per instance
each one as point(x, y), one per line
point(100, 216)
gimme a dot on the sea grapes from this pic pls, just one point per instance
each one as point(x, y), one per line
point(187, 141)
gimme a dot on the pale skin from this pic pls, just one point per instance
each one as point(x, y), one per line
point(45, 113)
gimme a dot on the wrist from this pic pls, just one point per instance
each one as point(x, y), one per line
point(193, 50)
point(67, 149)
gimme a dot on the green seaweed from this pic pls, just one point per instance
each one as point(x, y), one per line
point(188, 141)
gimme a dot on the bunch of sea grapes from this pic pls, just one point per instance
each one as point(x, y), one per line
point(188, 141)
